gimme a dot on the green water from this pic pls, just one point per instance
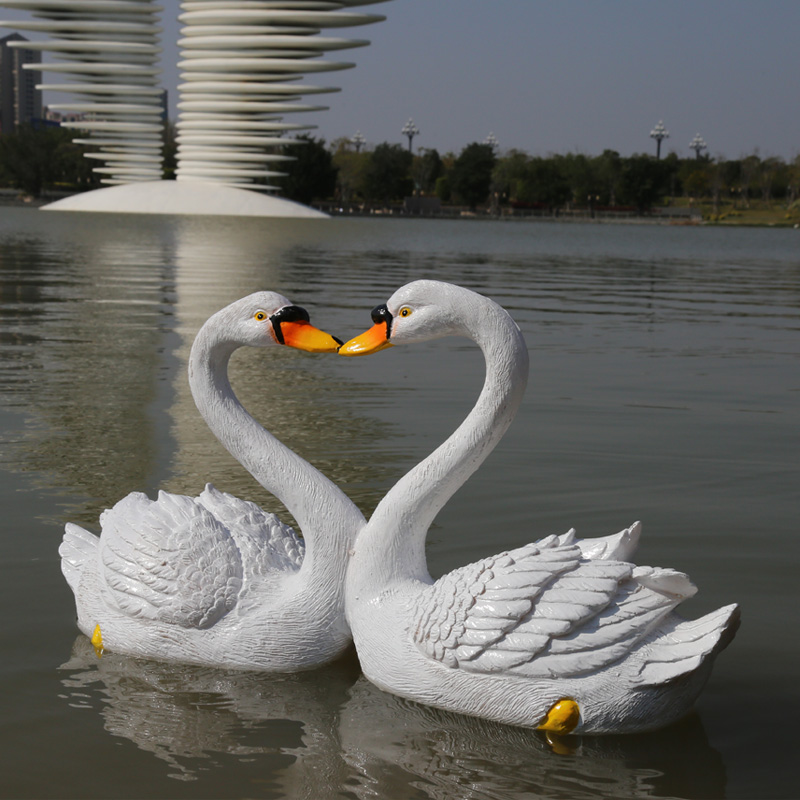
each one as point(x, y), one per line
point(665, 386)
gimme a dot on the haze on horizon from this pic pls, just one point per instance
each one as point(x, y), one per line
point(575, 76)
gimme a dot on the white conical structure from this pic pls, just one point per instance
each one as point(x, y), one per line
point(239, 65)
point(108, 49)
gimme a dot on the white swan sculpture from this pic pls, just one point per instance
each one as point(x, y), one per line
point(212, 579)
point(562, 635)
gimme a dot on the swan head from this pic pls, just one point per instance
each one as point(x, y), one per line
point(416, 312)
point(263, 319)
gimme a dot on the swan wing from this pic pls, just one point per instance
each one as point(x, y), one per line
point(468, 611)
point(78, 549)
point(266, 543)
point(169, 560)
point(543, 610)
point(617, 547)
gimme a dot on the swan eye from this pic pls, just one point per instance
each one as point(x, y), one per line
point(260, 316)
point(405, 311)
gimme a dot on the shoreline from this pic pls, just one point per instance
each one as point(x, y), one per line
point(13, 198)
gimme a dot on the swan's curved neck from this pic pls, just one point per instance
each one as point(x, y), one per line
point(328, 519)
point(393, 543)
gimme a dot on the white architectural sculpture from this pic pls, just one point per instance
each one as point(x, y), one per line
point(109, 49)
point(239, 65)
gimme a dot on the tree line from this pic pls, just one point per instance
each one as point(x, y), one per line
point(479, 177)
point(36, 160)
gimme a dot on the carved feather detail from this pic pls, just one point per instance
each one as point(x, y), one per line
point(543, 610)
point(181, 560)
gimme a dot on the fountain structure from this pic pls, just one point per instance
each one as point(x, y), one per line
point(240, 66)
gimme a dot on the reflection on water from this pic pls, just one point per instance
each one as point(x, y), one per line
point(665, 385)
point(99, 334)
point(330, 731)
point(282, 388)
point(82, 335)
point(451, 756)
point(186, 716)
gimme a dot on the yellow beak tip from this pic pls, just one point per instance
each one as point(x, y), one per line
point(371, 341)
point(363, 346)
point(353, 348)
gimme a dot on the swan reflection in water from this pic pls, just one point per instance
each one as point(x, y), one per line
point(330, 733)
point(188, 715)
point(448, 755)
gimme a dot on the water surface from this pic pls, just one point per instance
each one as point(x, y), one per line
point(665, 386)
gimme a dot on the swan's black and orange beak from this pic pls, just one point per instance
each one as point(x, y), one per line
point(292, 327)
point(374, 339)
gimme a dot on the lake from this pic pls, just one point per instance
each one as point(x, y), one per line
point(665, 386)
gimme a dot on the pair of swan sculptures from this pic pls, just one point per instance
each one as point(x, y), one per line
point(565, 635)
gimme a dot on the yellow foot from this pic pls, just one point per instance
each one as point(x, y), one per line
point(562, 718)
point(97, 641)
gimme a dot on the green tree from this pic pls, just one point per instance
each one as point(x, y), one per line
point(426, 169)
point(793, 180)
point(311, 175)
point(698, 182)
point(508, 175)
point(609, 173)
point(387, 175)
point(545, 183)
point(750, 169)
point(443, 189)
point(351, 166)
point(36, 159)
point(773, 179)
point(731, 174)
point(471, 177)
point(584, 182)
point(643, 182)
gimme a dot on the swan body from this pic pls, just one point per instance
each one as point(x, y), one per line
point(212, 579)
point(561, 634)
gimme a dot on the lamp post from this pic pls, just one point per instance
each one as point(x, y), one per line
point(491, 140)
point(698, 144)
point(410, 130)
point(358, 140)
point(659, 133)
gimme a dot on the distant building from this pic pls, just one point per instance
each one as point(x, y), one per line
point(20, 100)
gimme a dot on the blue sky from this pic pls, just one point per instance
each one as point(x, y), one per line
point(566, 76)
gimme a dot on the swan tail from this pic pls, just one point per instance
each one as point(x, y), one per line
point(680, 647)
point(617, 547)
point(77, 549)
